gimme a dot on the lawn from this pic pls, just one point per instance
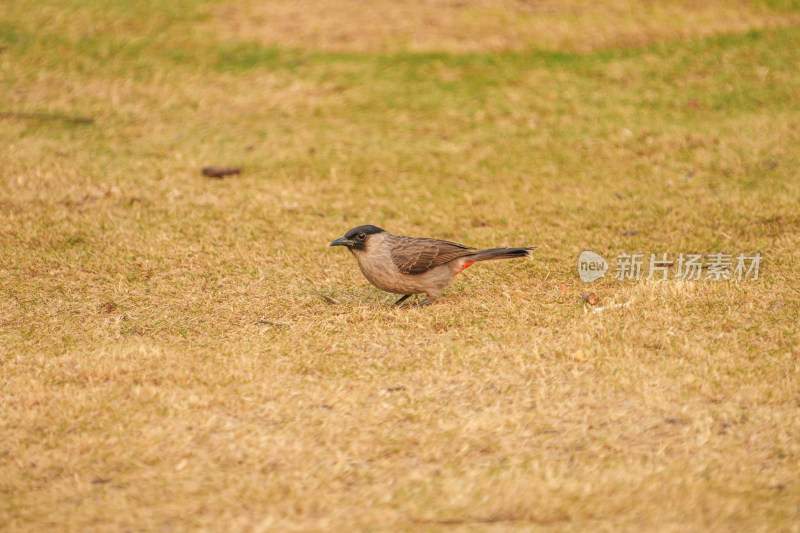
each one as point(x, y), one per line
point(185, 353)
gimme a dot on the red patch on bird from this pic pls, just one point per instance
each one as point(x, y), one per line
point(465, 265)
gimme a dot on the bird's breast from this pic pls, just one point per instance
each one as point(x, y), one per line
point(379, 269)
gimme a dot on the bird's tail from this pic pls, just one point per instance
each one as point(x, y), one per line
point(501, 253)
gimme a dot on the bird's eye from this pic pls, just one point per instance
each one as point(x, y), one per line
point(362, 236)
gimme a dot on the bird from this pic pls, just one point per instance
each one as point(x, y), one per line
point(413, 265)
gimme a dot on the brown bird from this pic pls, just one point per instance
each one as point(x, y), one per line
point(409, 265)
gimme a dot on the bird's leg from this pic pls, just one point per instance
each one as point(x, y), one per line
point(429, 300)
point(401, 300)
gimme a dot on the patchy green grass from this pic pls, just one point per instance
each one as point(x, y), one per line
point(140, 391)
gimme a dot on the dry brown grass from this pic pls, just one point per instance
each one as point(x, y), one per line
point(485, 25)
point(139, 391)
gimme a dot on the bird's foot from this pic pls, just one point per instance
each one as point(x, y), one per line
point(399, 303)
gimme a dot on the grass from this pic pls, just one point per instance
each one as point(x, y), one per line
point(141, 392)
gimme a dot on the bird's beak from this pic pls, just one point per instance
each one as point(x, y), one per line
point(341, 241)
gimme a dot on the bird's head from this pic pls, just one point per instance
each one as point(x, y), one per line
point(356, 239)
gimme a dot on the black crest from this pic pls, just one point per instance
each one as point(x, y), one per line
point(367, 229)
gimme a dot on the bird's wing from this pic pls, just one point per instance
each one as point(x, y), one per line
point(416, 256)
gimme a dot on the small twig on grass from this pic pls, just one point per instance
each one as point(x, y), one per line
point(271, 323)
point(221, 172)
point(329, 299)
point(598, 309)
point(46, 117)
